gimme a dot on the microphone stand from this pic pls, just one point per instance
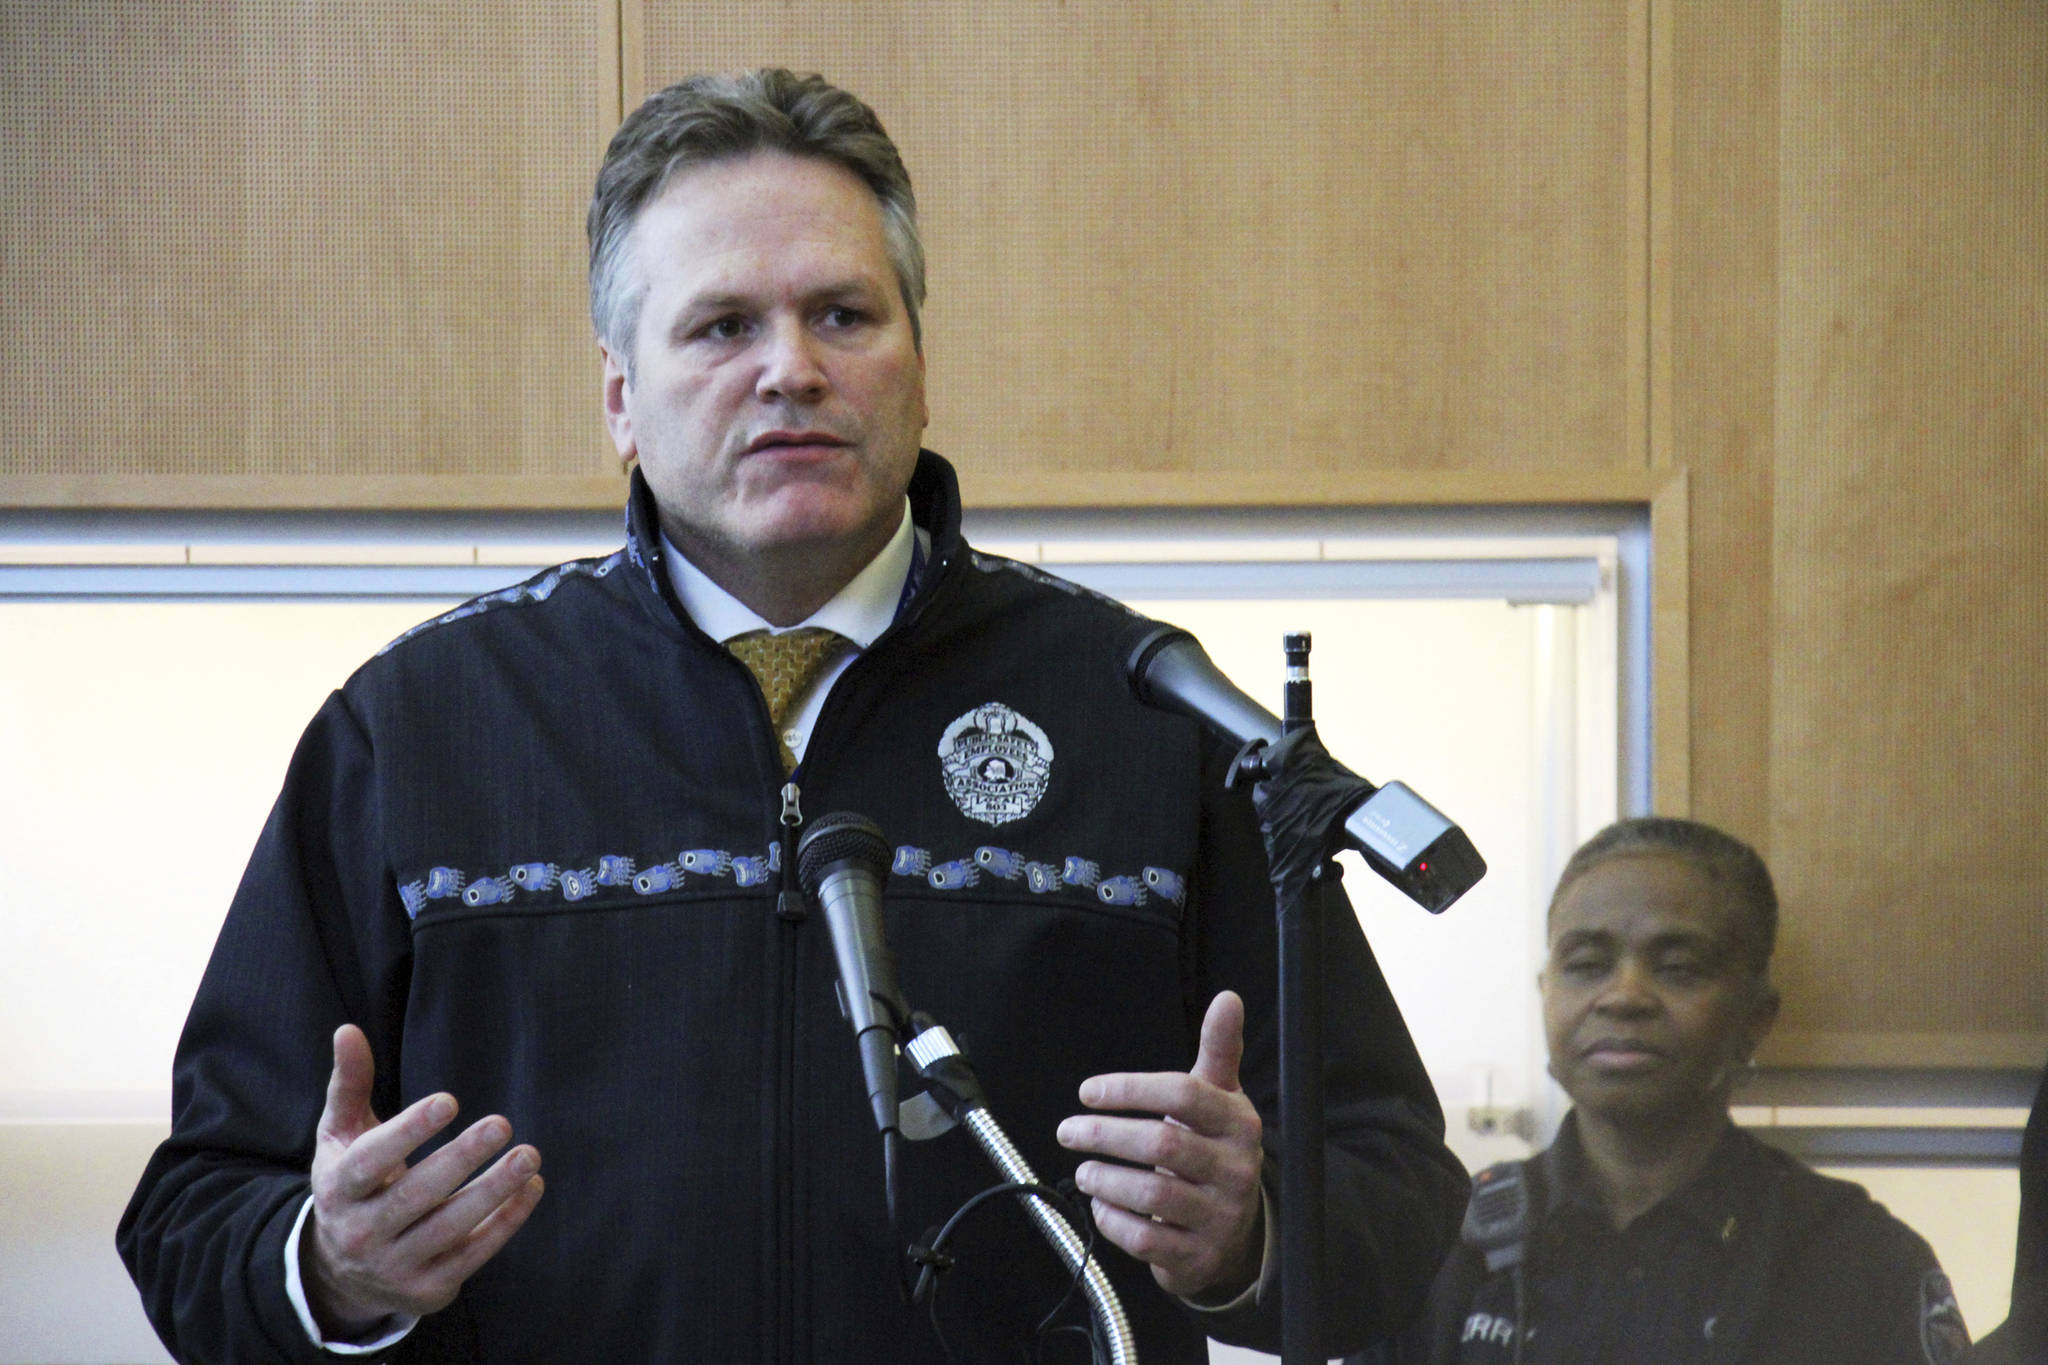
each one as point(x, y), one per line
point(1309, 805)
point(955, 1096)
point(1301, 911)
point(1300, 918)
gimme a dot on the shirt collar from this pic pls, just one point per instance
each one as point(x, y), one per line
point(860, 611)
point(1710, 1200)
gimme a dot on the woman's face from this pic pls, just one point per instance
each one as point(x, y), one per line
point(1650, 996)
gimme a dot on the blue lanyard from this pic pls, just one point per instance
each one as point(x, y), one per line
point(913, 579)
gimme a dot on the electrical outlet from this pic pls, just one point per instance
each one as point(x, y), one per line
point(1499, 1120)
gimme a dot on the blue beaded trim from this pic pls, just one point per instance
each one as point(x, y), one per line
point(1072, 874)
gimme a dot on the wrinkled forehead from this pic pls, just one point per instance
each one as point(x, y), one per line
point(1646, 899)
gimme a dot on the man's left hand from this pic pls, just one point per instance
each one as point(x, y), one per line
point(1193, 1214)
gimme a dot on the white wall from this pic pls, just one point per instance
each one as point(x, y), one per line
point(141, 744)
point(64, 1297)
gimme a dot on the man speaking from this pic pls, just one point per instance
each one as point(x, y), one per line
point(534, 863)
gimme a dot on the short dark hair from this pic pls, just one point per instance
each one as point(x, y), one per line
point(1732, 866)
point(721, 117)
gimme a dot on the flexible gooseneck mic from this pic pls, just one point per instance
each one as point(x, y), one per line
point(841, 861)
point(1403, 838)
point(956, 1091)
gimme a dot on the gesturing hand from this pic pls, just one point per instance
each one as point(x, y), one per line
point(1192, 1216)
point(387, 1238)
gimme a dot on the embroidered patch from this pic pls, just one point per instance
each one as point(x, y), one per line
point(535, 877)
point(996, 764)
point(1943, 1338)
point(954, 875)
point(1120, 891)
point(487, 891)
point(1167, 884)
point(705, 862)
point(1001, 861)
point(660, 877)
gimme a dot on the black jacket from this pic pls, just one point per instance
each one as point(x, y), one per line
point(2022, 1339)
point(1759, 1260)
point(533, 849)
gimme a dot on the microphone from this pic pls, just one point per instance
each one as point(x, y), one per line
point(1402, 837)
point(840, 862)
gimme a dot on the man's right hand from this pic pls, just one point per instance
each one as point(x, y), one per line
point(386, 1238)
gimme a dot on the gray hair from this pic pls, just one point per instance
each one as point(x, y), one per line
point(1732, 866)
point(722, 117)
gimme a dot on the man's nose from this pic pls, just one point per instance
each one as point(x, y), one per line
point(791, 368)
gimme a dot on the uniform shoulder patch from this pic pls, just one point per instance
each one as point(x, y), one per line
point(1031, 573)
point(996, 764)
point(538, 588)
point(1943, 1337)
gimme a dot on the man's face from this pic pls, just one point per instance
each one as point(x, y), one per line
point(1649, 1004)
point(777, 395)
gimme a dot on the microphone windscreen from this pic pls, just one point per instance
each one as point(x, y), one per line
point(837, 839)
point(1169, 669)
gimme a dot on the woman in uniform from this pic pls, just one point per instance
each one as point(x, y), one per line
point(1654, 1230)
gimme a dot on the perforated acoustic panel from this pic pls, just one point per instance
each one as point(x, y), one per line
point(1245, 237)
point(305, 242)
point(1909, 695)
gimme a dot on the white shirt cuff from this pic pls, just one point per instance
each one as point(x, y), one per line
point(1255, 1292)
point(295, 1290)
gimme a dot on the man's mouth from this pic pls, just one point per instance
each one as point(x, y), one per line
point(795, 441)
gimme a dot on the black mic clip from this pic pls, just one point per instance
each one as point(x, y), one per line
point(1248, 766)
point(931, 1262)
point(955, 1090)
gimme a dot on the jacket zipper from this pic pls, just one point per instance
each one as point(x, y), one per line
point(789, 901)
point(790, 910)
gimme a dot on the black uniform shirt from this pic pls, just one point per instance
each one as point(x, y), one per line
point(1756, 1261)
point(1653, 1292)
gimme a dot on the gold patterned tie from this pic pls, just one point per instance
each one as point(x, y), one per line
point(786, 665)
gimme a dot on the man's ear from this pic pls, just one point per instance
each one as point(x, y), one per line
point(617, 420)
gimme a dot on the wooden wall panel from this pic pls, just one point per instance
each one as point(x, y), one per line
point(1292, 238)
point(1723, 171)
point(298, 244)
point(1909, 697)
